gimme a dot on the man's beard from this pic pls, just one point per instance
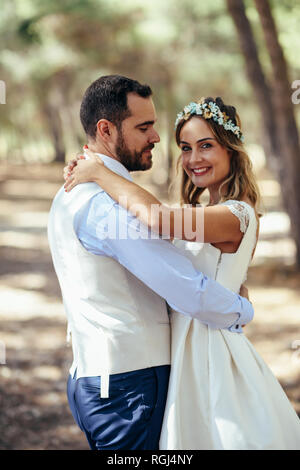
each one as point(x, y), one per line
point(132, 160)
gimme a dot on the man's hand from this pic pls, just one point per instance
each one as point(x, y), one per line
point(244, 293)
point(71, 165)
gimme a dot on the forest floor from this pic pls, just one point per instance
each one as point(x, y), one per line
point(34, 357)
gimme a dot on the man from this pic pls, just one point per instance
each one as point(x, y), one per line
point(114, 287)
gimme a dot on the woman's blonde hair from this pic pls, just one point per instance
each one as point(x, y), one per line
point(241, 181)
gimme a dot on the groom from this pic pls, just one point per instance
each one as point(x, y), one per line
point(115, 288)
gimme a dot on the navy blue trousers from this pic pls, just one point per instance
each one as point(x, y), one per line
point(131, 418)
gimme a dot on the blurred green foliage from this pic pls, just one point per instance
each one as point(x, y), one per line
point(51, 50)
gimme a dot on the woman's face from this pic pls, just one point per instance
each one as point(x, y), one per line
point(204, 160)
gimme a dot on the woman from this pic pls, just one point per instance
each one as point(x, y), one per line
point(221, 393)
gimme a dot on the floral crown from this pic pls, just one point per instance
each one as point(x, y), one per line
point(208, 111)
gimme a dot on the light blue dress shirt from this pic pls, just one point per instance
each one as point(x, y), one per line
point(106, 229)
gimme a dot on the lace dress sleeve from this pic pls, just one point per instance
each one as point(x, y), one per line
point(241, 212)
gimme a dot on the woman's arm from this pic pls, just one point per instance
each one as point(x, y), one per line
point(213, 224)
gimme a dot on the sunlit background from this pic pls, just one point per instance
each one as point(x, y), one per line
point(51, 50)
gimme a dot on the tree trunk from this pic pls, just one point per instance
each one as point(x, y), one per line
point(170, 111)
point(55, 128)
point(257, 79)
point(285, 118)
point(50, 103)
point(170, 136)
point(275, 105)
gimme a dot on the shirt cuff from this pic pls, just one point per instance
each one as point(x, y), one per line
point(246, 314)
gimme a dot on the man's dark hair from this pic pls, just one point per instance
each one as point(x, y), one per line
point(106, 98)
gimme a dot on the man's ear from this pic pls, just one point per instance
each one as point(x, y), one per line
point(106, 130)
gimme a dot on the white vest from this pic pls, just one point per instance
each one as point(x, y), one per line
point(117, 323)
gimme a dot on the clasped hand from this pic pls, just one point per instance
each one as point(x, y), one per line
point(81, 169)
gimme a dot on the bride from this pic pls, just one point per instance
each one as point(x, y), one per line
point(222, 395)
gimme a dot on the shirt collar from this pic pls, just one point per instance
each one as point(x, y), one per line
point(115, 166)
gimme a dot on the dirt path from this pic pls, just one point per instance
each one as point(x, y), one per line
point(34, 413)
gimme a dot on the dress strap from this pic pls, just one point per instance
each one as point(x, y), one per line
point(241, 212)
point(248, 223)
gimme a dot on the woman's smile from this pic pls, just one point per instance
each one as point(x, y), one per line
point(201, 171)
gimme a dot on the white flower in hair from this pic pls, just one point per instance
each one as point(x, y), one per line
point(209, 111)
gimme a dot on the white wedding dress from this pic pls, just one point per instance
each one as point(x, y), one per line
point(221, 394)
